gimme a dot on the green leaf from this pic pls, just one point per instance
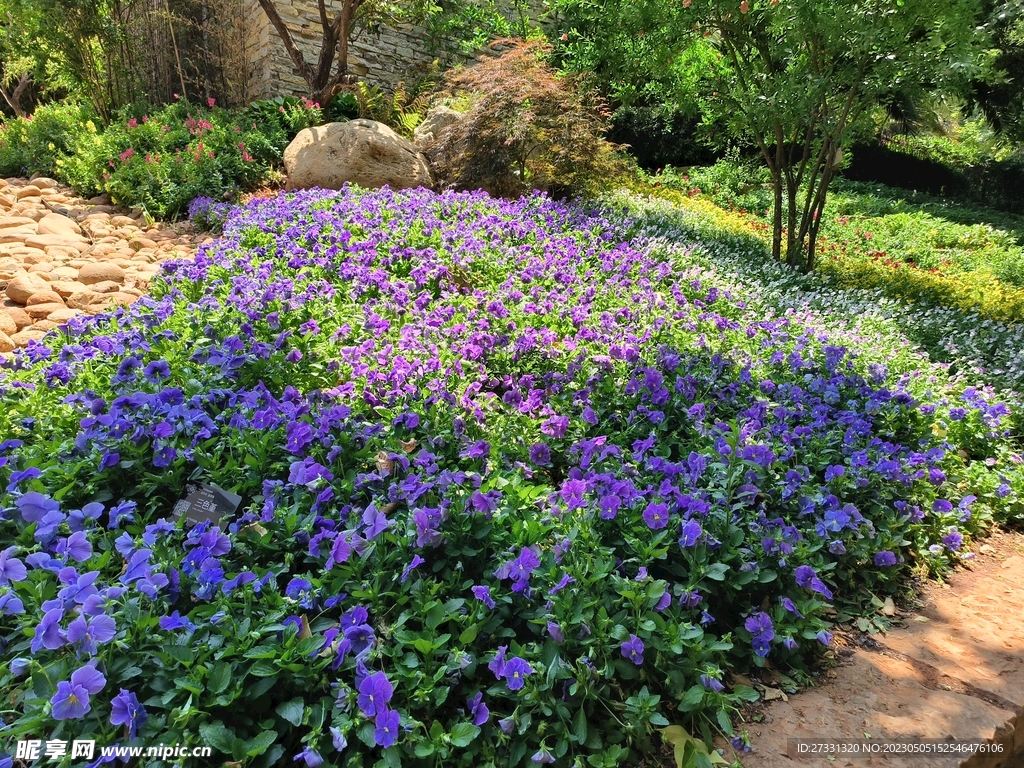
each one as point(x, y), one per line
point(469, 634)
point(435, 615)
point(463, 734)
point(717, 571)
point(745, 693)
point(692, 699)
point(259, 745)
point(579, 726)
point(219, 678)
point(292, 711)
point(724, 722)
point(218, 736)
point(180, 653)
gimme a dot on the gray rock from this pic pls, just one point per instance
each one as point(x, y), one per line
point(362, 152)
point(431, 129)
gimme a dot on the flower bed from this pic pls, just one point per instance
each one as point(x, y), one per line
point(515, 488)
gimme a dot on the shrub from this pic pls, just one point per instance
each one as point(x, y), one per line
point(39, 143)
point(527, 128)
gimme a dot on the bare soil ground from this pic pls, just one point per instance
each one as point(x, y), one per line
point(951, 668)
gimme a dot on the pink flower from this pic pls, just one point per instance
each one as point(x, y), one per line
point(133, 123)
point(211, 102)
point(127, 155)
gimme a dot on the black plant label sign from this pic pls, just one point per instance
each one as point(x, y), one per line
point(202, 502)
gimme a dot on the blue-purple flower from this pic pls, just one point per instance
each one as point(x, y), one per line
point(633, 650)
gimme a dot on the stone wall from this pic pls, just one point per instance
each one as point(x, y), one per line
point(395, 54)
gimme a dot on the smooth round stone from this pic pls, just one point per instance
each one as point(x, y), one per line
point(55, 224)
point(19, 316)
point(44, 297)
point(63, 315)
point(22, 287)
point(105, 286)
point(7, 344)
point(46, 324)
point(39, 311)
point(65, 273)
point(100, 273)
point(22, 338)
point(84, 299)
point(7, 324)
point(61, 252)
point(43, 268)
point(67, 288)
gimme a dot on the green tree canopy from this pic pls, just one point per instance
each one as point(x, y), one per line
point(797, 79)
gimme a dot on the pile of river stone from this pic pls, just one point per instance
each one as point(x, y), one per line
point(61, 256)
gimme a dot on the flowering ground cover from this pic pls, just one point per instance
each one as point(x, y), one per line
point(909, 247)
point(521, 483)
point(907, 304)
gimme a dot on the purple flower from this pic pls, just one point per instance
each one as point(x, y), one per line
point(497, 665)
point(790, 606)
point(692, 531)
point(126, 710)
point(572, 493)
point(808, 579)
point(542, 757)
point(157, 371)
point(540, 454)
point(556, 632)
point(563, 582)
point(76, 546)
point(375, 522)
point(310, 756)
point(374, 693)
point(711, 683)
point(953, 539)
point(521, 569)
point(388, 721)
point(176, 621)
point(87, 635)
point(71, 701)
point(360, 638)
point(35, 506)
point(478, 450)
point(633, 649)
point(48, 632)
point(483, 594)
point(515, 672)
point(416, 562)
point(11, 604)
point(825, 638)
point(338, 739)
point(656, 516)
point(12, 570)
point(478, 712)
point(760, 626)
point(884, 558)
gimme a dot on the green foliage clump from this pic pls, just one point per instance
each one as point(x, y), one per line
point(158, 161)
point(35, 144)
point(526, 128)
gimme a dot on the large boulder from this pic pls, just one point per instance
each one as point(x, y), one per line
point(431, 129)
point(362, 152)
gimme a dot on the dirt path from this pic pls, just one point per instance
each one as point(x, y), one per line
point(953, 669)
